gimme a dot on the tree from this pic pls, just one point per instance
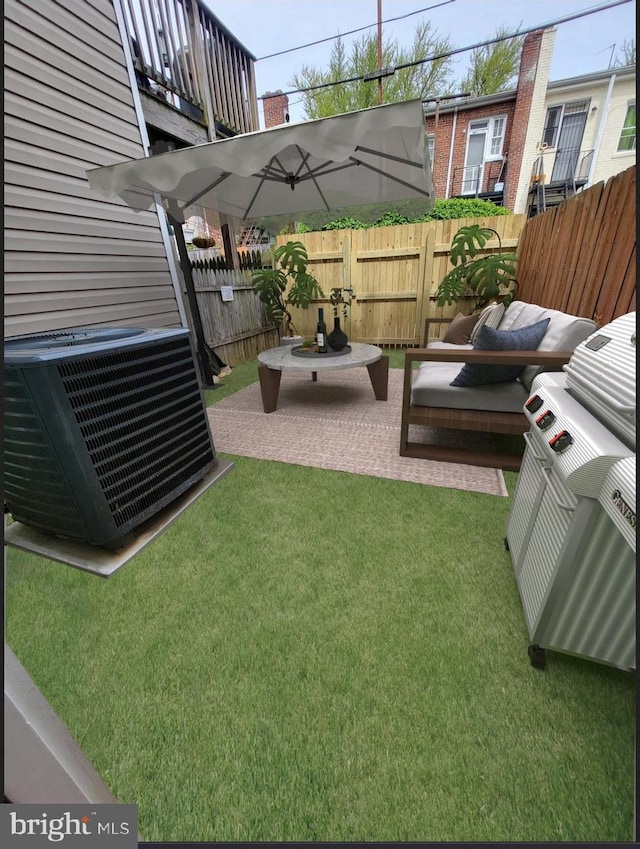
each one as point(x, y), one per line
point(493, 68)
point(627, 53)
point(420, 81)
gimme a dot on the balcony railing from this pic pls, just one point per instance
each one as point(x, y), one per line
point(569, 166)
point(475, 180)
point(185, 56)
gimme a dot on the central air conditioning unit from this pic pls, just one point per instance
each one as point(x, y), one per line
point(103, 428)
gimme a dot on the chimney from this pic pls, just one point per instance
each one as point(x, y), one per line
point(276, 108)
point(528, 118)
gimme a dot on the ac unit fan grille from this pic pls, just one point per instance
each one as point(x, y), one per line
point(141, 417)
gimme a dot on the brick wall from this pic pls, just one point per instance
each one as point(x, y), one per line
point(519, 108)
point(529, 123)
point(524, 103)
point(276, 108)
point(447, 169)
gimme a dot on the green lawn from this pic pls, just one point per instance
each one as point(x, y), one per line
point(309, 655)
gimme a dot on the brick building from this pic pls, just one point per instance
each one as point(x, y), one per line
point(480, 145)
point(531, 146)
point(469, 150)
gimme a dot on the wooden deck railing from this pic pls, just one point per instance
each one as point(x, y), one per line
point(184, 55)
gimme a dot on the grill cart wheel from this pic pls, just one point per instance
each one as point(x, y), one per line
point(537, 657)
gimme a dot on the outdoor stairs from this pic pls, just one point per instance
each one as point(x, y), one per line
point(543, 196)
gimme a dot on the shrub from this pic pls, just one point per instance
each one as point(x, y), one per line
point(442, 209)
point(345, 224)
point(463, 208)
point(389, 219)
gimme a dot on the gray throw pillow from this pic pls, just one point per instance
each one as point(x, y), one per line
point(523, 339)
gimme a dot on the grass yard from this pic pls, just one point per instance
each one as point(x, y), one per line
point(309, 655)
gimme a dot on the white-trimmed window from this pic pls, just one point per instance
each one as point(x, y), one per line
point(431, 143)
point(493, 130)
point(497, 137)
point(485, 140)
point(628, 134)
point(552, 125)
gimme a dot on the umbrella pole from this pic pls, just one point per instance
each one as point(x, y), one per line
point(230, 251)
point(201, 345)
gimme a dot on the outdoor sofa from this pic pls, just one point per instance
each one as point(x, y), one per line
point(493, 356)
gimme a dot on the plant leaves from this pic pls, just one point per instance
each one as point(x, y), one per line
point(468, 241)
point(292, 256)
point(453, 286)
point(303, 290)
point(485, 276)
point(268, 279)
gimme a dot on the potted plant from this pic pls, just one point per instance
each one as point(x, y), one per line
point(202, 236)
point(487, 278)
point(290, 270)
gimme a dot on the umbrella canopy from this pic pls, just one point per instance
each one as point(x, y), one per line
point(374, 155)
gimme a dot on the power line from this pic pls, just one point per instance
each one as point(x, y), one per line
point(351, 31)
point(457, 50)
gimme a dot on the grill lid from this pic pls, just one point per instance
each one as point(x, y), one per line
point(601, 374)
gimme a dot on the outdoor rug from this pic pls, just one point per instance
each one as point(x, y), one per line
point(336, 423)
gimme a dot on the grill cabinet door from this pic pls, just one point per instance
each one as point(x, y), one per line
point(544, 551)
point(526, 500)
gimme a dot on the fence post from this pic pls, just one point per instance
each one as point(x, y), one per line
point(425, 275)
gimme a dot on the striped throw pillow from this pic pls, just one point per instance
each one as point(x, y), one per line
point(490, 316)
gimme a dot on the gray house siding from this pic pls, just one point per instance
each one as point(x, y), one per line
point(71, 257)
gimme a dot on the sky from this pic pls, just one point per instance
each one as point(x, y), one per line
point(268, 26)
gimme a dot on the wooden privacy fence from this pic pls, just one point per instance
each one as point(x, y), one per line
point(393, 273)
point(237, 329)
point(580, 256)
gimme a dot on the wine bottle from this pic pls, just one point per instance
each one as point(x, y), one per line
point(321, 333)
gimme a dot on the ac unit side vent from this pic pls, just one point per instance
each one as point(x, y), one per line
point(34, 482)
point(122, 442)
point(141, 398)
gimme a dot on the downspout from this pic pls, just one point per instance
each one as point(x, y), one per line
point(144, 137)
point(206, 372)
point(451, 144)
point(226, 223)
point(600, 132)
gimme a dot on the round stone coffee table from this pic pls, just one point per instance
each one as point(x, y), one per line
point(276, 360)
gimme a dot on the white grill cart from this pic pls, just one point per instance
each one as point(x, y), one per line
point(571, 530)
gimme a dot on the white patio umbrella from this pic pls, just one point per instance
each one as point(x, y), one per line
point(370, 156)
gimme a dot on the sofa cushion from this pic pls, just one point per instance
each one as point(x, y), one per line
point(491, 316)
point(437, 345)
point(460, 329)
point(432, 388)
point(520, 339)
point(564, 333)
